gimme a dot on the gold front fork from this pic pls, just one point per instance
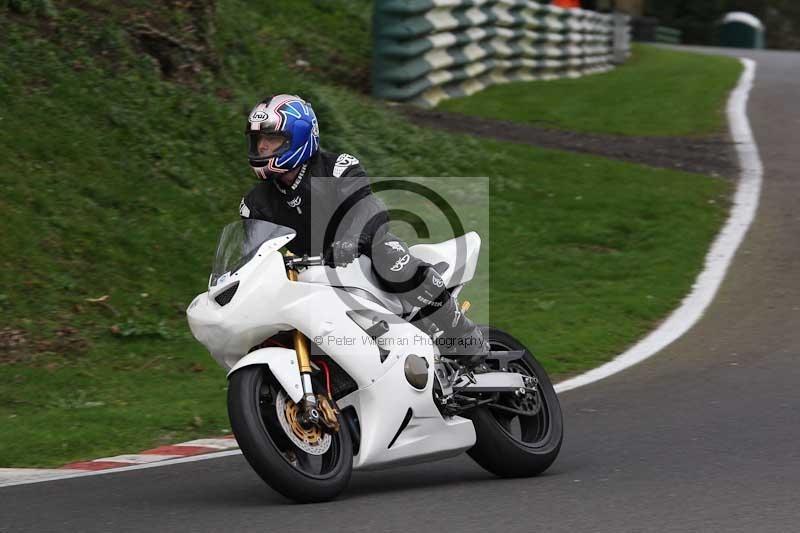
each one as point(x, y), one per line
point(300, 341)
point(308, 408)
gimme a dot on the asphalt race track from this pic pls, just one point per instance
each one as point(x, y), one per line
point(705, 436)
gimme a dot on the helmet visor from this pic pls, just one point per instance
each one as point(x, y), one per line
point(263, 146)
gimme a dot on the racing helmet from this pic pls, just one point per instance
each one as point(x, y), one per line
point(282, 134)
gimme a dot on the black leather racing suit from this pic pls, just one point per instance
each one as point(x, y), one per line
point(330, 200)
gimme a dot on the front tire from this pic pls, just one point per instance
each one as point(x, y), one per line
point(518, 446)
point(252, 393)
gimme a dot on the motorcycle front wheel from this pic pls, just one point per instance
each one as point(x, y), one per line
point(285, 463)
point(518, 437)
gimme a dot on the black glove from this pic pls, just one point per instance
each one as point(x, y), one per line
point(341, 253)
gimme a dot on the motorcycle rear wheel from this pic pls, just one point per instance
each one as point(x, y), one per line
point(511, 445)
point(305, 478)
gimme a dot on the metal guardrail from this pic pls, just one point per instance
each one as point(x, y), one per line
point(429, 50)
point(669, 35)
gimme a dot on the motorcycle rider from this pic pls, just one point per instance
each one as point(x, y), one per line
point(297, 177)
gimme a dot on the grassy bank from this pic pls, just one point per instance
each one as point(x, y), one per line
point(657, 92)
point(117, 174)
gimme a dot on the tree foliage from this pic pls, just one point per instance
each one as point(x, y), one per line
point(698, 20)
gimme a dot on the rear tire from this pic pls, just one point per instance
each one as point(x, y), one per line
point(266, 447)
point(497, 449)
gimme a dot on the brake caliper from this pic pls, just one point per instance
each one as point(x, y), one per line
point(330, 418)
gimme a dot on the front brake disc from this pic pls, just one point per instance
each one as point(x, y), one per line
point(312, 440)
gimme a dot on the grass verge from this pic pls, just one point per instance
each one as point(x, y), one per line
point(657, 92)
point(111, 211)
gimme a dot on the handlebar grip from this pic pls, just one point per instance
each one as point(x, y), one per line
point(304, 261)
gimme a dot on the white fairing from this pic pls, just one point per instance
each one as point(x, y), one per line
point(358, 275)
point(267, 302)
point(283, 365)
point(460, 253)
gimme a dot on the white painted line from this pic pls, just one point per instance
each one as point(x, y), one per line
point(135, 458)
point(719, 256)
point(16, 476)
point(220, 444)
point(74, 474)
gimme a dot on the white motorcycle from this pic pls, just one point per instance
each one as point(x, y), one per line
point(371, 391)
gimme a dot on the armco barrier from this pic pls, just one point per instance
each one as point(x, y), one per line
point(665, 34)
point(429, 50)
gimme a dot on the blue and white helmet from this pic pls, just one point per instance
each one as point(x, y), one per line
point(290, 123)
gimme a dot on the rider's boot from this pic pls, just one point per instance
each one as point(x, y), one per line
point(457, 336)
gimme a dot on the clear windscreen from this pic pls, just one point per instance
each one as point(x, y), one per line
point(239, 242)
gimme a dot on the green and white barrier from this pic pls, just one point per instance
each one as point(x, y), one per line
point(429, 50)
point(669, 35)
